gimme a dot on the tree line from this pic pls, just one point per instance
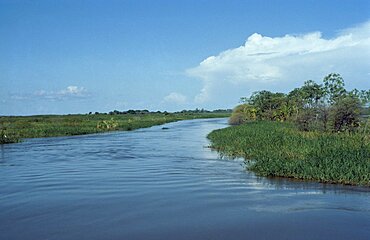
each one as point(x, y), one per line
point(313, 106)
point(145, 111)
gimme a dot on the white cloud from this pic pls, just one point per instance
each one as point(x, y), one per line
point(68, 93)
point(265, 62)
point(176, 98)
point(73, 91)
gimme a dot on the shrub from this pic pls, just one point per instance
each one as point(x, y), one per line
point(107, 124)
point(306, 119)
point(242, 114)
point(7, 137)
point(344, 115)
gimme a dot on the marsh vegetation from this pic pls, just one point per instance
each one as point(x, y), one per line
point(15, 128)
point(315, 132)
point(280, 149)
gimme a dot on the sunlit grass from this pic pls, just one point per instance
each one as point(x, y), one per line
point(279, 149)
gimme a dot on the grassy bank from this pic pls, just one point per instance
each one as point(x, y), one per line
point(13, 129)
point(280, 149)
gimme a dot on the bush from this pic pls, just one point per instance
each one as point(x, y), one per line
point(344, 115)
point(306, 119)
point(7, 137)
point(242, 114)
point(107, 124)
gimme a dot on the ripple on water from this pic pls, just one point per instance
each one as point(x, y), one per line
point(155, 184)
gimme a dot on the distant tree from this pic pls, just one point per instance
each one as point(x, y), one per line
point(362, 95)
point(326, 107)
point(311, 93)
point(267, 104)
point(344, 115)
point(365, 96)
point(243, 113)
point(296, 102)
point(334, 87)
point(306, 119)
point(323, 117)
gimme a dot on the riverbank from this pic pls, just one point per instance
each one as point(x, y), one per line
point(15, 128)
point(280, 150)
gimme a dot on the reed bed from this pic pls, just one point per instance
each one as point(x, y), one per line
point(280, 150)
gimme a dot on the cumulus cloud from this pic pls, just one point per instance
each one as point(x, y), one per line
point(264, 62)
point(176, 98)
point(70, 92)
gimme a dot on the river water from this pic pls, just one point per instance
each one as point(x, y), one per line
point(162, 184)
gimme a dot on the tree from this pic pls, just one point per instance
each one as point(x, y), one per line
point(306, 119)
point(362, 95)
point(243, 113)
point(365, 97)
point(334, 87)
point(296, 101)
point(312, 93)
point(313, 106)
point(344, 115)
point(267, 104)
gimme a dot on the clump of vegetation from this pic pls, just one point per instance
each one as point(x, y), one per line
point(242, 114)
point(107, 124)
point(279, 149)
point(315, 132)
point(313, 107)
point(8, 137)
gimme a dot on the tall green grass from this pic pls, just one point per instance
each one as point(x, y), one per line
point(13, 129)
point(281, 150)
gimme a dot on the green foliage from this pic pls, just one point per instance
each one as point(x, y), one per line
point(306, 119)
point(243, 113)
point(312, 93)
point(107, 124)
point(345, 114)
point(8, 137)
point(334, 87)
point(268, 105)
point(363, 95)
point(329, 141)
point(281, 150)
point(314, 107)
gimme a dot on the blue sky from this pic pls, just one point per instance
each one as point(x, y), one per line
point(75, 56)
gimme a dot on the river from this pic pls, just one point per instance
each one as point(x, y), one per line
point(159, 183)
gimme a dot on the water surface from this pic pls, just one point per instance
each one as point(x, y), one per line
point(162, 184)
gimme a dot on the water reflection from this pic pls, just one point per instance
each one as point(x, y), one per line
point(2, 154)
point(279, 183)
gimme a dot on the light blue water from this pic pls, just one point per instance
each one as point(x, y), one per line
point(162, 184)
